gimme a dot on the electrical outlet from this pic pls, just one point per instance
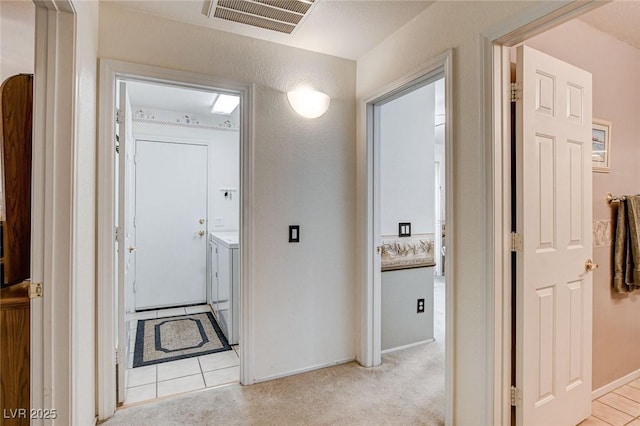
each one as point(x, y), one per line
point(218, 222)
point(421, 306)
point(404, 229)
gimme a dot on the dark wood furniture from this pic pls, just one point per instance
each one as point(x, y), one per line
point(16, 103)
point(14, 354)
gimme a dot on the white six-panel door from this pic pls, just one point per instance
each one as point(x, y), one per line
point(554, 290)
point(171, 214)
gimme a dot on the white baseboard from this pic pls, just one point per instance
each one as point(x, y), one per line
point(615, 384)
point(304, 370)
point(410, 345)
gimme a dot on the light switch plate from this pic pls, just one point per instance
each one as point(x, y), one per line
point(294, 233)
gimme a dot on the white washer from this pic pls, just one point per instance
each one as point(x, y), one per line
point(225, 283)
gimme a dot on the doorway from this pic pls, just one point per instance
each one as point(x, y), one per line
point(543, 34)
point(178, 155)
point(181, 176)
point(401, 245)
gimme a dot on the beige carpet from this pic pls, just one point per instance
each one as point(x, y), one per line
point(407, 389)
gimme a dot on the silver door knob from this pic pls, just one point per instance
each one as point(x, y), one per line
point(132, 249)
point(201, 233)
point(201, 221)
point(589, 265)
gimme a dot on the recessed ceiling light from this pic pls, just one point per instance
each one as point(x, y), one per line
point(225, 104)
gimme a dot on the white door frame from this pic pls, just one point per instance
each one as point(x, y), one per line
point(110, 71)
point(54, 131)
point(370, 350)
point(496, 113)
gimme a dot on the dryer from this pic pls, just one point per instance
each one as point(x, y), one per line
point(225, 283)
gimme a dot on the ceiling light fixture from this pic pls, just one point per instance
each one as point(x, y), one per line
point(309, 103)
point(225, 104)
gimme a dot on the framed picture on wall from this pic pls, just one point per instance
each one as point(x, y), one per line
point(601, 145)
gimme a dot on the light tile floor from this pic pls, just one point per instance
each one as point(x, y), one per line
point(619, 407)
point(175, 377)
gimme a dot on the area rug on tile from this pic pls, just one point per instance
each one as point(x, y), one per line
point(168, 339)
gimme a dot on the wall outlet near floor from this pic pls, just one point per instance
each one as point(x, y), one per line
point(421, 306)
point(218, 222)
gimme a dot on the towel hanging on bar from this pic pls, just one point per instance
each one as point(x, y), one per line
point(627, 245)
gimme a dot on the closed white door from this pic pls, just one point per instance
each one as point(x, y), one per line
point(171, 212)
point(554, 288)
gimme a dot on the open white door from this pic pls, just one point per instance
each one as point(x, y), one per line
point(126, 248)
point(554, 288)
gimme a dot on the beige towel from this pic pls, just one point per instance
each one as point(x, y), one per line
point(626, 262)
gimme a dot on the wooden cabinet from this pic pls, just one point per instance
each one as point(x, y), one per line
point(16, 105)
point(15, 348)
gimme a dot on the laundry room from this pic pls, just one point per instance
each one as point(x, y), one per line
point(178, 206)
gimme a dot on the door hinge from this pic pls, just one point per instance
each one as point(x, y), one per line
point(516, 242)
point(118, 116)
point(516, 397)
point(118, 233)
point(134, 286)
point(516, 92)
point(117, 356)
point(36, 290)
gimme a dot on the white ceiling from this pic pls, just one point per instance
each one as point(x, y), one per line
point(344, 28)
point(621, 19)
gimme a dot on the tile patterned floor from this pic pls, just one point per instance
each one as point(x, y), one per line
point(175, 377)
point(619, 407)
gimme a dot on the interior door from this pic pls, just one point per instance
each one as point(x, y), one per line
point(171, 212)
point(126, 239)
point(554, 288)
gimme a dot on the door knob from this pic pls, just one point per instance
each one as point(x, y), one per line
point(589, 265)
point(132, 249)
point(201, 221)
point(201, 233)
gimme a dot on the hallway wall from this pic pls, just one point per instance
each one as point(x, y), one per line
point(305, 293)
point(17, 38)
point(456, 25)
point(615, 66)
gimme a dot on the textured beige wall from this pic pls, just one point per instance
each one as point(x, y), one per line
point(442, 26)
point(305, 293)
point(616, 97)
point(17, 37)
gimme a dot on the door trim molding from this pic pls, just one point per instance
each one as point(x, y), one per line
point(110, 71)
point(54, 132)
point(495, 110)
point(370, 351)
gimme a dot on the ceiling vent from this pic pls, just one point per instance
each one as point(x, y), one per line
point(283, 16)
